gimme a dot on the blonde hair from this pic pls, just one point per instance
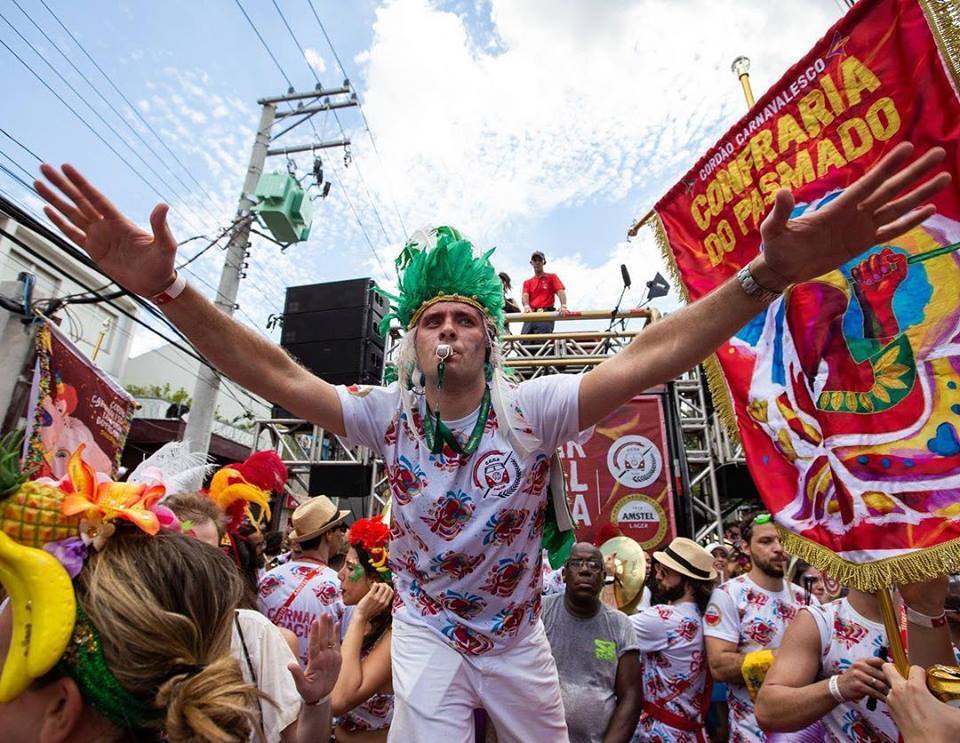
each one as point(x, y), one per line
point(164, 607)
point(197, 508)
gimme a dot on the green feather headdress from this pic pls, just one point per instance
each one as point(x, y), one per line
point(439, 265)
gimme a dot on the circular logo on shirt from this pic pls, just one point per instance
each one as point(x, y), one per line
point(634, 461)
point(496, 473)
point(640, 518)
point(712, 615)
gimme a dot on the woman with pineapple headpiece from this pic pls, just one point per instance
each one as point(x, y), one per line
point(118, 626)
point(467, 453)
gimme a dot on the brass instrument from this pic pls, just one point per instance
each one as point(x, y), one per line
point(630, 570)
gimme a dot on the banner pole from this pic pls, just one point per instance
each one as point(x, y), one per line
point(892, 628)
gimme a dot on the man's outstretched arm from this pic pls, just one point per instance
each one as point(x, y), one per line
point(144, 264)
point(885, 202)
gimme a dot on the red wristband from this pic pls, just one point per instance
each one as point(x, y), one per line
point(171, 292)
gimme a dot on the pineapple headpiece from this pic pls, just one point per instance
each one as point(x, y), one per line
point(438, 264)
point(46, 527)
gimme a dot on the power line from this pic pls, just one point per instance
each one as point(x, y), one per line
point(96, 113)
point(191, 351)
point(313, 126)
point(343, 133)
point(12, 175)
point(363, 116)
point(92, 130)
point(21, 145)
point(192, 272)
point(265, 45)
point(126, 100)
point(296, 41)
point(113, 108)
point(363, 230)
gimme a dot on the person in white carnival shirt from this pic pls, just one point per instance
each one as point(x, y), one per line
point(746, 619)
point(829, 665)
point(297, 593)
point(676, 682)
point(470, 502)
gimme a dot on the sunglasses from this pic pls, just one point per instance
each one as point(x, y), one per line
point(576, 563)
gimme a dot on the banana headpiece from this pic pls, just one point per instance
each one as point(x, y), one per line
point(46, 617)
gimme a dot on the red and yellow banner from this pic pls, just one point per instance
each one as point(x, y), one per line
point(846, 391)
point(623, 475)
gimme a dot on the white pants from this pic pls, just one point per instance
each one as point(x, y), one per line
point(437, 688)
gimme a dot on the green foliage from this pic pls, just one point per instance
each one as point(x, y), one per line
point(162, 392)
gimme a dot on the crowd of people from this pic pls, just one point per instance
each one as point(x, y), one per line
point(446, 633)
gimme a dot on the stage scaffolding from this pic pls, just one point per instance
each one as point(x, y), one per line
point(306, 448)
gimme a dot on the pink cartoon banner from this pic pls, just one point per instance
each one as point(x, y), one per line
point(73, 403)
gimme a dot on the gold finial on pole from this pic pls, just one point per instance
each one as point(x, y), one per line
point(741, 68)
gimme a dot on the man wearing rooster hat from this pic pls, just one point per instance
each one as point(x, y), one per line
point(453, 408)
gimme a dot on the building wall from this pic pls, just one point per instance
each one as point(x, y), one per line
point(84, 324)
point(169, 365)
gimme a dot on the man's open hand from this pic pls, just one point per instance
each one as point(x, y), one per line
point(888, 200)
point(139, 261)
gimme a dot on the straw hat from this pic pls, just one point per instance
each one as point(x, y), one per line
point(314, 517)
point(687, 558)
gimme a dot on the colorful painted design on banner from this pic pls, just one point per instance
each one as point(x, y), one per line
point(72, 402)
point(622, 475)
point(846, 390)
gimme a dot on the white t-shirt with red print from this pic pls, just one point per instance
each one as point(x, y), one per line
point(319, 595)
point(845, 637)
point(742, 612)
point(670, 639)
point(466, 531)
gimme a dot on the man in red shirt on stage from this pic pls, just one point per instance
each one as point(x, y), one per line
point(538, 295)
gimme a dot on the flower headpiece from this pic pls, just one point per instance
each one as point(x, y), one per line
point(438, 264)
point(47, 528)
point(374, 537)
point(234, 487)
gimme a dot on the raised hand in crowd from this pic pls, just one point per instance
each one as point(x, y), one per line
point(378, 598)
point(315, 682)
point(920, 717)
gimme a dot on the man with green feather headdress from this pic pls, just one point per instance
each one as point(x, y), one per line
point(467, 450)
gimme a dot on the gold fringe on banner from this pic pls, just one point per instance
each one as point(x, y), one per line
point(722, 400)
point(660, 235)
point(943, 17)
point(914, 567)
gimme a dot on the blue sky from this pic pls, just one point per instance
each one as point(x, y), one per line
point(530, 124)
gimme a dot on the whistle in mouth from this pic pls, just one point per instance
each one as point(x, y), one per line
point(443, 351)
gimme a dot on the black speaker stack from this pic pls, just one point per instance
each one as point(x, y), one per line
point(331, 329)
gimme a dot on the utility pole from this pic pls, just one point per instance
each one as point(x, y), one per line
point(207, 388)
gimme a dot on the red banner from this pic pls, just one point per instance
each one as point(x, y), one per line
point(72, 402)
point(845, 390)
point(623, 475)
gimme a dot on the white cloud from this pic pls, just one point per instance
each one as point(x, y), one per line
point(315, 60)
point(576, 103)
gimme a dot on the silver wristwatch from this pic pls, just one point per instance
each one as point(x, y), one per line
point(753, 289)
